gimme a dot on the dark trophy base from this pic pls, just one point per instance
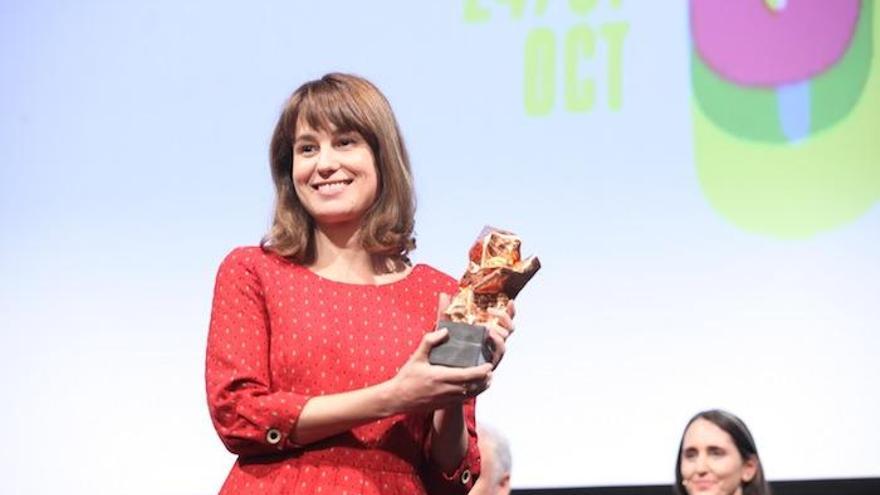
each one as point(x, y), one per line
point(468, 345)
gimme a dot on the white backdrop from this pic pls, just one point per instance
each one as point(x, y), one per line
point(133, 156)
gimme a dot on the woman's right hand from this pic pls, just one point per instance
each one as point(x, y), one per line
point(422, 386)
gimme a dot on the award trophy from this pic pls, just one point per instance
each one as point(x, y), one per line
point(494, 276)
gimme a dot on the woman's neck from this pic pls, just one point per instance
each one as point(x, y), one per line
point(340, 256)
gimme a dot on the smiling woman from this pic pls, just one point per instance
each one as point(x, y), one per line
point(351, 117)
point(317, 366)
point(718, 456)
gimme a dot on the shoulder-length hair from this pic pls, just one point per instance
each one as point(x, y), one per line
point(343, 102)
point(744, 442)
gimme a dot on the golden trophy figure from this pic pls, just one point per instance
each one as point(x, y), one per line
point(495, 275)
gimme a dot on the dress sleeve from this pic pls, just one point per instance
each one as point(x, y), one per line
point(250, 417)
point(461, 480)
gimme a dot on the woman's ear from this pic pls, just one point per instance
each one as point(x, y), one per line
point(750, 468)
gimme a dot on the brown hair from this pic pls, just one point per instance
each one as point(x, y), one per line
point(346, 103)
point(744, 442)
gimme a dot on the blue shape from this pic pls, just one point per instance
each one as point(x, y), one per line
point(794, 110)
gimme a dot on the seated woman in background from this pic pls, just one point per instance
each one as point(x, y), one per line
point(717, 456)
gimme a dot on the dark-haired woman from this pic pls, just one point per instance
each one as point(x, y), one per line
point(717, 456)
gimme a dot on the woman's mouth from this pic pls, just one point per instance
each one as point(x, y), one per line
point(331, 187)
point(702, 485)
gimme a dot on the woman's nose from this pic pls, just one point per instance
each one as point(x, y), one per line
point(700, 464)
point(327, 162)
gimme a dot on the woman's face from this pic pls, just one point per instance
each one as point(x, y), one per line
point(711, 463)
point(334, 175)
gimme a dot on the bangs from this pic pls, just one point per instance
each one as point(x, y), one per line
point(326, 107)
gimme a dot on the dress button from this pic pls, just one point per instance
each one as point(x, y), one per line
point(465, 476)
point(273, 436)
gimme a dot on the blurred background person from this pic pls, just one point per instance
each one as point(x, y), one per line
point(717, 456)
point(495, 463)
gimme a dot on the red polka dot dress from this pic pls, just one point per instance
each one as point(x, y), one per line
point(281, 334)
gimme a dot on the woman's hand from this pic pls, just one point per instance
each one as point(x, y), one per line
point(499, 323)
point(421, 386)
point(500, 326)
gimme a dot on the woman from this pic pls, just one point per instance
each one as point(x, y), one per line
point(717, 456)
point(317, 372)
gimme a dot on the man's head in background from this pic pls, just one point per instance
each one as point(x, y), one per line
point(495, 465)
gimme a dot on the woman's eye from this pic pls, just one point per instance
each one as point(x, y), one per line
point(306, 149)
point(347, 140)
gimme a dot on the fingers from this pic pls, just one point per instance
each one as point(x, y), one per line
point(474, 388)
point(458, 376)
point(498, 330)
point(498, 346)
point(430, 340)
point(462, 384)
point(503, 317)
point(501, 322)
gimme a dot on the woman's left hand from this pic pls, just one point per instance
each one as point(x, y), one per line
point(500, 326)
